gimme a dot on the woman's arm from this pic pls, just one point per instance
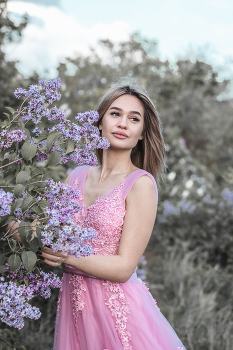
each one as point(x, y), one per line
point(139, 220)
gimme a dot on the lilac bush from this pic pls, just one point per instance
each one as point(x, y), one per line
point(27, 196)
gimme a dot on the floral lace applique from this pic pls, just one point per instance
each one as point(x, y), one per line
point(76, 297)
point(106, 216)
point(119, 309)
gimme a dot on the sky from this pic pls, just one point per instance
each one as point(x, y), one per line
point(182, 28)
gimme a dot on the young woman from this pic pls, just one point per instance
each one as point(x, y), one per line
point(102, 304)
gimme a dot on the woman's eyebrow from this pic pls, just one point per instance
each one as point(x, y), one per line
point(119, 109)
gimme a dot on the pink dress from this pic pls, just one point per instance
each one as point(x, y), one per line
point(96, 314)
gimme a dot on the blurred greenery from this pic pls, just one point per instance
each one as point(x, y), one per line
point(190, 254)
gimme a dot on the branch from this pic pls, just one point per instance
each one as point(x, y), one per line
point(16, 160)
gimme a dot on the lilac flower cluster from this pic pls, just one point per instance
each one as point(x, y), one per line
point(7, 138)
point(61, 231)
point(14, 305)
point(85, 137)
point(6, 199)
point(15, 294)
point(39, 97)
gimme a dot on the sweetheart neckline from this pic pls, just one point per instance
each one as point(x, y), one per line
point(112, 189)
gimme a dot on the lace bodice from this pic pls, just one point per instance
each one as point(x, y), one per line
point(106, 215)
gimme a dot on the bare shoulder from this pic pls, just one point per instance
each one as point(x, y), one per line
point(143, 191)
point(144, 182)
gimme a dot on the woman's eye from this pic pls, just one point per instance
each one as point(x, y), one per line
point(115, 113)
point(135, 119)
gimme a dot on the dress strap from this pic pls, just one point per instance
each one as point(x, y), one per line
point(79, 172)
point(132, 178)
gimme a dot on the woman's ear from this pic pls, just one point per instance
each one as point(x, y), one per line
point(100, 127)
point(141, 137)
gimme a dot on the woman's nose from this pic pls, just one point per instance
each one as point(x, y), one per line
point(122, 122)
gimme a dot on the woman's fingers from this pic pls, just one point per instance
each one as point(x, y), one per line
point(51, 252)
point(50, 257)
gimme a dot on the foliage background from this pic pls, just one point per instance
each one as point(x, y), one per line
point(190, 254)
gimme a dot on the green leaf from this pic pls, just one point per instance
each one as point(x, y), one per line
point(42, 136)
point(2, 154)
point(4, 124)
point(69, 145)
point(27, 202)
point(29, 259)
point(22, 177)
point(28, 150)
point(53, 159)
point(18, 190)
point(14, 261)
point(8, 115)
point(9, 178)
point(5, 161)
point(42, 123)
point(38, 234)
point(2, 259)
point(11, 110)
point(36, 209)
point(25, 232)
point(17, 204)
point(34, 244)
point(52, 137)
point(36, 172)
point(28, 170)
point(43, 204)
point(9, 170)
point(10, 218)
point(34, 161)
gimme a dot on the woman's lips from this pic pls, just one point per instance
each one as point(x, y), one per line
point(120, 136)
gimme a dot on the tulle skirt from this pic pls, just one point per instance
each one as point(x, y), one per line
point(95, 314)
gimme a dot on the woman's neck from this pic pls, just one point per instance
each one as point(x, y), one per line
point(116, 163)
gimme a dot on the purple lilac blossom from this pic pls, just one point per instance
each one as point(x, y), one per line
point(14, 299)
point(62, 232)
point(14, 305)
point(39, 97)
point(86, 133)
point(6, 199)
point(7, 138)
point(85, 136)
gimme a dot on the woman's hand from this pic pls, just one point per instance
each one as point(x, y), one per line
point(12, 230)
point(52, 258)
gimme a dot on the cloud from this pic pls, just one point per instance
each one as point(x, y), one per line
point(52, 35)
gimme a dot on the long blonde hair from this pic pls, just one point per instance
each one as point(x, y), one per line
point(149, 153)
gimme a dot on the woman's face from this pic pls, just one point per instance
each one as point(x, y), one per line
point(123, 122)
